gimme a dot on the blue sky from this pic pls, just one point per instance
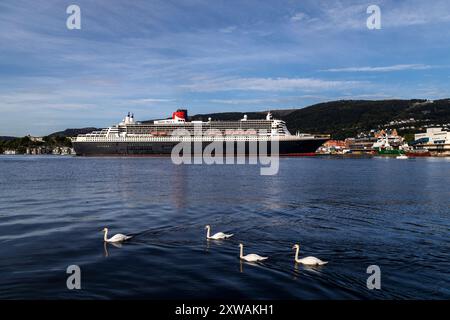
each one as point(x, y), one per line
point(151, 57)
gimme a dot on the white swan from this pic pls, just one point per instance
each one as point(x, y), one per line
point(116, 238)
point(250, 257)
point(216, 236)
point(310, 261)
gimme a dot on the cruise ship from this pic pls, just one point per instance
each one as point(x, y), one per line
point(130, 137)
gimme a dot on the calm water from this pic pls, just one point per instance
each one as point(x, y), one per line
point(351, 212)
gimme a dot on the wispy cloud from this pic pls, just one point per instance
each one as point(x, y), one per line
point(152, 56)
point(416, 13)
point(397, 67)
point(150, 100)
point(342, 16)
point(228, 29)
point(266, 101)
point(268, 84)
point(299, 16)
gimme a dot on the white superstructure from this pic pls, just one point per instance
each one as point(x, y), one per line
point(178, 129)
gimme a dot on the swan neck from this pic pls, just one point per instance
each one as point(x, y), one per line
point(297, 249)
point(208, 232)
point(105, 237)
point(241, 251)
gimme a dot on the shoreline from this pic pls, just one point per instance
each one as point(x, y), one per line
point(317, 155)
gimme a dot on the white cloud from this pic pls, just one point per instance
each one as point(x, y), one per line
point(417, 12)
point(299, 16)
point(341, 16)
point(132, 56)
point(265, 101)
point(397, 67)
point(150, 100)
point(267, 84)
point(229, 29)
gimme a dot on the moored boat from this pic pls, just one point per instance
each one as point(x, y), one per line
point(418, 153)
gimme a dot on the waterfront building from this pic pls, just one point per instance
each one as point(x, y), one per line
point(435, 140)
point(385, 141)
point(35, 139)
point(63, 151)
point(38, 150)
point(361, 144)
point(333, 147)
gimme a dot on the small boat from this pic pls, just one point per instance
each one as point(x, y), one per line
point(418, 153)
point(402, 157)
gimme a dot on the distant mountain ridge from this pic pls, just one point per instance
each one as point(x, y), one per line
point(6, 138)
point(341, 119)
point(73, 132)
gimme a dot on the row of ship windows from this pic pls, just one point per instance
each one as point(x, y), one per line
point(214, 123)
point(226, 126)
point(203, 129)
point(238, 125)
point(176, 140)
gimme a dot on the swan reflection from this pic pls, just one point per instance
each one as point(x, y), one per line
point(310, 268)
point(106, 244)
point(210, 242)
point(242, 262)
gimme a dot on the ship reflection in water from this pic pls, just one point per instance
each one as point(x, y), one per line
point(350, 212)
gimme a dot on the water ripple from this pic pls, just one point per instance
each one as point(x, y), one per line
point(350, 212)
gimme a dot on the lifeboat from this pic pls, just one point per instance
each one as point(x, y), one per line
point(214, 132)
point(229, 132)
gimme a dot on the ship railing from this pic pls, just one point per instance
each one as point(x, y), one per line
point(322, 136)
point(147, 138)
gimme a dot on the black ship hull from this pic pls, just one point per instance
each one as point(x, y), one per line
point(286, 148)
